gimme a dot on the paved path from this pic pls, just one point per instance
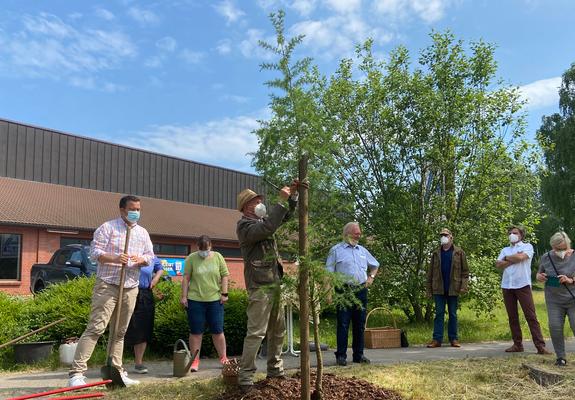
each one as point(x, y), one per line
point(15, 384)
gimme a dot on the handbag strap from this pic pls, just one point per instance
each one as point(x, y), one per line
point(557, 272)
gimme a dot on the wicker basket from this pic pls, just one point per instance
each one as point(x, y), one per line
point(230, 372)
point(386, 337)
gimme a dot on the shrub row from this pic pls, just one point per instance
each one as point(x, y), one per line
point(72, 300)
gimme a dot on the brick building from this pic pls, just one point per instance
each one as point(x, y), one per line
point(57, 188)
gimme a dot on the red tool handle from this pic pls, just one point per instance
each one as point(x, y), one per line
point(34, 395)
point(79, 396)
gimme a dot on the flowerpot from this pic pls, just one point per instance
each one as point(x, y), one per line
point(28, 353)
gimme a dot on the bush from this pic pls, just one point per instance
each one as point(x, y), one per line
point(71, 299)
point(13, 316)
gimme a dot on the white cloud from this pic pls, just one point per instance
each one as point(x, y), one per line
point(337, 35)
point(46, 47)
point(542, 93)
point(229, 10)
point(89, 83)
point(250, 48)
point(304, 7)
point(344, 6)
point(235, 98)
point(104, 14)
point(223, 142)
point(192, 57)
point(224, 46)
point(427, 10)
point(167, 44)
point(154, 62)
point(144, 17)
point(48, 25)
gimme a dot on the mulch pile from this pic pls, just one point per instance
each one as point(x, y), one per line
point(334, 388)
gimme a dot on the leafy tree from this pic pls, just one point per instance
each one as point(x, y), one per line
point(556, 139)
point(288, 139)
point(425, 146)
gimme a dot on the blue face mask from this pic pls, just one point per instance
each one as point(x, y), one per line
point(204, 253)
point(133, 216)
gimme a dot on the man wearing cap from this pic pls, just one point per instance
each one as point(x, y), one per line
point(515, 262)
point(262, 273)
point(447, 278)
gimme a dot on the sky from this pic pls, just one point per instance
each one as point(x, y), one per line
point(182, 77)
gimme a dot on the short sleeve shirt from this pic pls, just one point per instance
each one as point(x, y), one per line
point(517, 275)
point(205, 276)
point(352, 261)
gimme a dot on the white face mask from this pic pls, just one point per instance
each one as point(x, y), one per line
point(513, 238)
point(444, 240)
point(260, 210)
point(560, 253)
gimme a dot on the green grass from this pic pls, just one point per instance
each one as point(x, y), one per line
point(471, 328)
point(468, 379)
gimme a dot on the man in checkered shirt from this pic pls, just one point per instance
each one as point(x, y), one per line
point(108, 250)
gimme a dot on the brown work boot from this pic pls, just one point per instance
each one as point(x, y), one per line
point(543, 351)
point(433, 344)
point(514, 349)
point(455, 343)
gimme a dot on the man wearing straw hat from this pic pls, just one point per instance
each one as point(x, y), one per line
point(447, 278)
point(262, 273)
point(354, 261)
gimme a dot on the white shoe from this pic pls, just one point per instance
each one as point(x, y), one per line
point(128, 381)
point(76, 380)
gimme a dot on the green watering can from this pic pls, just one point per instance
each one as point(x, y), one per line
point(183, 359)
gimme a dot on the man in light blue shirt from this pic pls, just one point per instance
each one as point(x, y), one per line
point(354, 261)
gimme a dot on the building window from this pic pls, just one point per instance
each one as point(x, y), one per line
point(232, 252)
point(10, 256)
point(65, 241)
point(171, 249)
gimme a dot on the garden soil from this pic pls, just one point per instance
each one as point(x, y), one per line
point(334, 388)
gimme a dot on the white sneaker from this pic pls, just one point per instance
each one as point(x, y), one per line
point(76, 380)
point(128, 381)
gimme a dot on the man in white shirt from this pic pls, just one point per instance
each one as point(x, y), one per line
point(515, 262)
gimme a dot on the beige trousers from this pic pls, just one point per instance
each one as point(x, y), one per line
point(104, 300)
point(265, 318)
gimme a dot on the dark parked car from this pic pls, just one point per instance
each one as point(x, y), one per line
point(67, 263)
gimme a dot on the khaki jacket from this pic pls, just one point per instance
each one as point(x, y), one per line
point(262, 263)
point(458, 283)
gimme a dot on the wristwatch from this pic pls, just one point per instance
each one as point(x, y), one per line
point(224, 294)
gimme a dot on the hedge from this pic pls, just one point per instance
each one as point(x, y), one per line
point(73, 299)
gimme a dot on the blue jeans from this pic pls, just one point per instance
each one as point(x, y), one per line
point(440, 301)
point(356, 316)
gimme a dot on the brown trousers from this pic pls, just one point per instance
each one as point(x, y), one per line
point(525, 298)
point(104, 301)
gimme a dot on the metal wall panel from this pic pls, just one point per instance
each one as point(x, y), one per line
point(3, 145)
point(42, 155)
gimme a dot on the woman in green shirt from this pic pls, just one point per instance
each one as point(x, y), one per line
point(204, 292)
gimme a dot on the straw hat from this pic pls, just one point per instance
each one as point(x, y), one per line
point(245, 196)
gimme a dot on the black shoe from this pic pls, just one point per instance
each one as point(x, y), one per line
point(362, 360)
point(561, 362)
point(341, 361)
